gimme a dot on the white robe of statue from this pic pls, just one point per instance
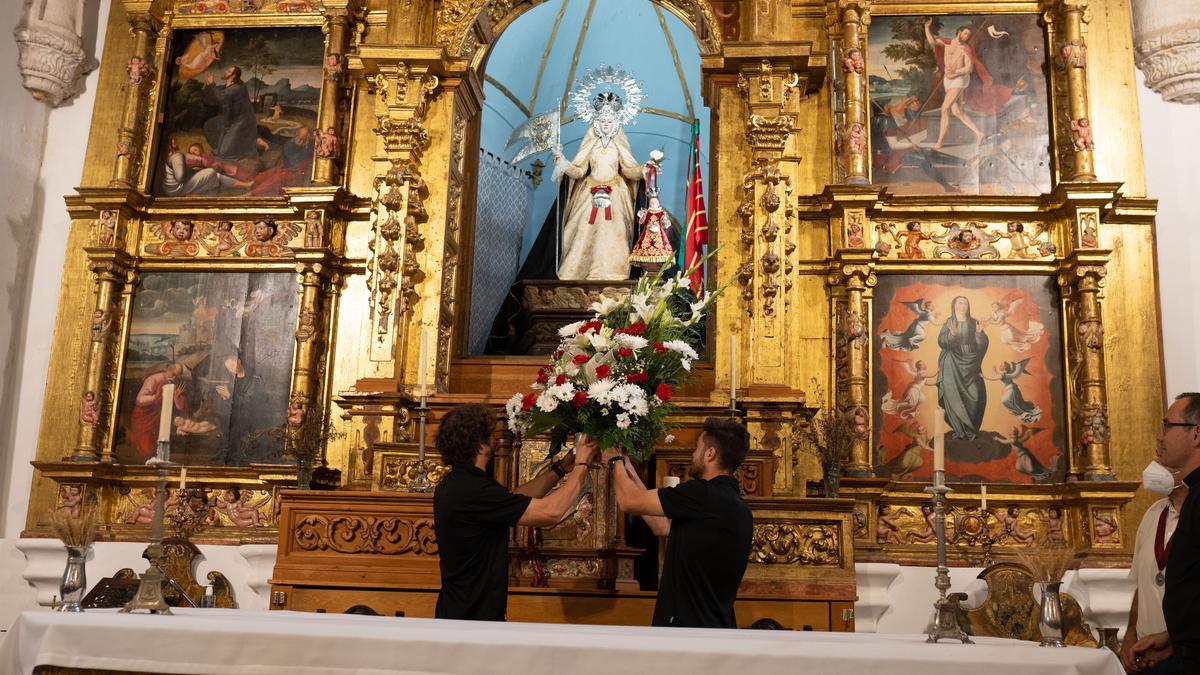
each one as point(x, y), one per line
point(599, 250)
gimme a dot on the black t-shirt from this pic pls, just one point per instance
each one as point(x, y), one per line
point(1181, 601)
point(471, 515)
point(707, 552)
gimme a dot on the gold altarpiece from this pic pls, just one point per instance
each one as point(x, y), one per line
point(381, 245)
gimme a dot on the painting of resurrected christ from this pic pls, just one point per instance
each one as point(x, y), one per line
point(959, 104)
point(240, 112)
point(225, 341)
point(975, 359)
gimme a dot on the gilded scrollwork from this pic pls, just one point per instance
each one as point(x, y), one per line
point(366, 535)
point(791, 544)
point(398, 472)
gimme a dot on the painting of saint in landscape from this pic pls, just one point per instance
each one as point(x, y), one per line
point(985, 350)
point(959, 104)
point(240, 112)
point(226, 341)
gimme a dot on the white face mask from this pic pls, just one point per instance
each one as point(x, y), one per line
point(1158, 478)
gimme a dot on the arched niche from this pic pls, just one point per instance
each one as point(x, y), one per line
point(536, 55)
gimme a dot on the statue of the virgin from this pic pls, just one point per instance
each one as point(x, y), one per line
point(598, 221)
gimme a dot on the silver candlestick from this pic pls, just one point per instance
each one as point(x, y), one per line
point(420, 482)
point(149, 593)
point(945, 624)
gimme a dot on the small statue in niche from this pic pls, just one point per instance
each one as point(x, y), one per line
point(853, 63)
point(89, 409)
point(327, 143)
point(1075, 54)
point(653, 249)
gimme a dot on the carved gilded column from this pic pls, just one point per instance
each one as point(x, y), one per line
point(339, 20)
point(1074, 134)
point(112, 272)
point(847, 20)
point(315, 276)
point(1082, 280)
point(851, 278)
point(145, 22)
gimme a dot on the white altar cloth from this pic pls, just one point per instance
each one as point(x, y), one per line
point(252, 643)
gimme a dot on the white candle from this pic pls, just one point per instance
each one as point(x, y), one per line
point(168, 411)
point(183, 479)
point(939, 443)
point(423, 356)
point(982, 497)
point(732, 370)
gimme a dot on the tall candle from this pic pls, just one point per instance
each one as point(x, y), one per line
point(939, 443)
point(423, 367)
point(982, 497)
point(168, 411)
point(183, 479)
point(732, 369)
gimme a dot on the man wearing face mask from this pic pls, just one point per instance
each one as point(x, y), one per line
point(1148, 570)
point(1179, 453)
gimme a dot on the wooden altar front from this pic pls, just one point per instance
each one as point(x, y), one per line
point(376, 552)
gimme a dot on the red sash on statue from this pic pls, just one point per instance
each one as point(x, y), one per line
point(601, 191)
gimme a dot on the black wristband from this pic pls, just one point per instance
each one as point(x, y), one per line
point(614, 460)
point(558, 470)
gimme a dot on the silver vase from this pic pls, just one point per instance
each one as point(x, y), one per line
point(1050, 622)
point(74, 580)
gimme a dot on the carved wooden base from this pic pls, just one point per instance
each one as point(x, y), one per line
point(547, 306)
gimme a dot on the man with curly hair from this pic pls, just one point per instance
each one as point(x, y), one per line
point(472, 513)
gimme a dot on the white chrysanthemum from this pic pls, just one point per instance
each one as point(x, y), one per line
point(599, 341)
point(513, 405)
point(623, 420)
point(634, 342)
point(682, 348)
point(570, 329)
point(637, 406)
point(605, 305)
point(656, 155)
point(601, 391)
point(669, 439)
point(546, 402)
point(561, 392)
point(687, 364)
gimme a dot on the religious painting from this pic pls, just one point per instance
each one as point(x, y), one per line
point(240, 112)
point(959, 104)
point(226, 341)
point(985, 351)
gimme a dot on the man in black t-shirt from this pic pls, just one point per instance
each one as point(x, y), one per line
point(472, 513)
point(707, 524)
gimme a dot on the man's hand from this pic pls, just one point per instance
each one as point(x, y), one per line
point(1152, 650)
point(609, 453)
point(585, 449)
point(1126, 653)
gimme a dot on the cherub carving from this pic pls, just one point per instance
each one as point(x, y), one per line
point(269, 238)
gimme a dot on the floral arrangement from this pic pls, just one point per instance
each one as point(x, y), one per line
point(613, 377)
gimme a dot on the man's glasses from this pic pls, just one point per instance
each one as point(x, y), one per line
point(1167, 424)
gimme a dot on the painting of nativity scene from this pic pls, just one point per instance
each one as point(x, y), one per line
point(225, 341)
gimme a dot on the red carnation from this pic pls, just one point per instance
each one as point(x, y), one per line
point(558, 354)
point(580, 399)
point(528, 401)
point(580, 359)
point(636, 378)
point(542, 377)
point(591, 326)
point(560, 379)
point(658, 347)
point(603, 372)
point(663, 392)
point(625, 352)
point(636, 328)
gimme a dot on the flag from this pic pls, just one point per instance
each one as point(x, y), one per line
point(696, 230)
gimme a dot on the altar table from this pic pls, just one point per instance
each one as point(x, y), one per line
point(252, 643)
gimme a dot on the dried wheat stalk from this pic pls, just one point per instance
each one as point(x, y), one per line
point(75, 530)
point(1047, 564)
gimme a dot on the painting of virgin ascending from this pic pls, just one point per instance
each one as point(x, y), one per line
point(240, 112)
point(986, 352)
point(959, 104)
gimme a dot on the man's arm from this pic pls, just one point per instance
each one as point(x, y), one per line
point(1126, 652)
point(659, 525)
point(545, 481)
point(633, 497)
point(551, 509)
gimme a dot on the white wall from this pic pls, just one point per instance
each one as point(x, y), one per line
point(1170, 141)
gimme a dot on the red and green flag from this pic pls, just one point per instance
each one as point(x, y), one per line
point(696, 230)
